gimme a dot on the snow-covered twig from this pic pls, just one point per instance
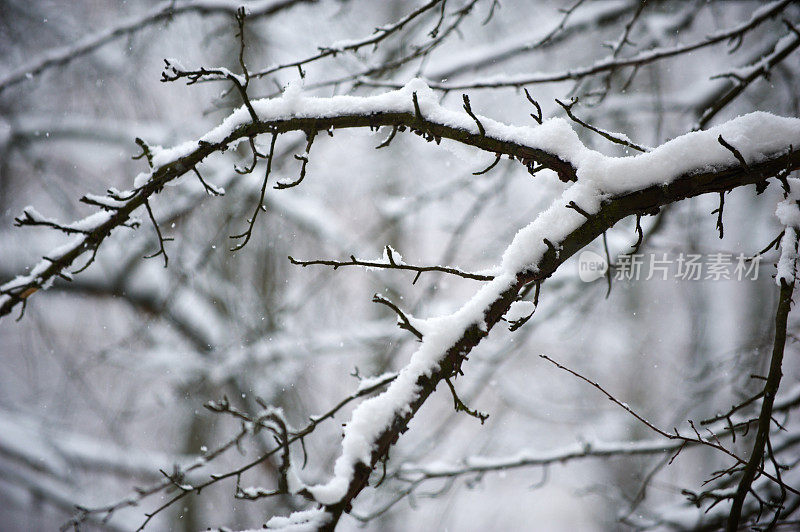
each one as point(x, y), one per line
point(743, 77)
point(610, 63)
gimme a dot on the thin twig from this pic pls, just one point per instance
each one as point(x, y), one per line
point(538, 115)
point(718, 211)
point(402, 320)
point(736, 153)
point(605, 134)
point(676, 436)
point(396, 266)
point(161, 239)
point(494, 163)
point(733, 409)
point(248, 233)
point(304, 162)
point(468, 109)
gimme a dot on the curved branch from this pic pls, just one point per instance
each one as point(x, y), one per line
point(397, 108)
point(554, 145)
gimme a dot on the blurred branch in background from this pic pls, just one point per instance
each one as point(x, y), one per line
point(105, 373)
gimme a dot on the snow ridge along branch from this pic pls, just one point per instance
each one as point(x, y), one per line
point(294, 112)
point(553, 145)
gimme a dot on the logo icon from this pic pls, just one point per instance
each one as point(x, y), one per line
point(591, 266)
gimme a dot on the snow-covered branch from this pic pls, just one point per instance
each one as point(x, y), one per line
point(554, 145)
point(106, 376)
point(611, 63)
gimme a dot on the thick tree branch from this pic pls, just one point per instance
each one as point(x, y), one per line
point(274, 120)
point(427, 117)
point(770, 391)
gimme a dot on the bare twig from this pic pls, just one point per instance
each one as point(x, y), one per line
point(461, 407)
point(676, 436)
point(389, 139)
point(736, 153)
point(402, 320)
point(468, 109)
point(555, 31)
point(485, 170)
point(733, 409)
point(304, 162)
point(161, 239)
point(251, 222)
point(603, 133)
point(393, 266)
point(718, 211)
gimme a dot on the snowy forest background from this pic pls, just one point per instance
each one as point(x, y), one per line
point(103, 381)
